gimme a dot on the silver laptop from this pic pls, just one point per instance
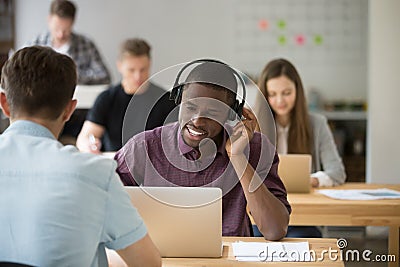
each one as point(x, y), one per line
point(295, 170)
point(182, 221)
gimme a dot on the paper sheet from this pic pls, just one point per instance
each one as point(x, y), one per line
point(361, 194)
point(272, 251)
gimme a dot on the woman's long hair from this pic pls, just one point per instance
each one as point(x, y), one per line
point(300, 131)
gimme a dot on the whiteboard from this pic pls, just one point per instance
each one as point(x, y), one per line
point(317, 32)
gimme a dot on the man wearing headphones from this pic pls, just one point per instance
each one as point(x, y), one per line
point(202, 149)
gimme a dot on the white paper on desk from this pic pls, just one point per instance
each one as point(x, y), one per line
point(361, 194)
point(272, 251)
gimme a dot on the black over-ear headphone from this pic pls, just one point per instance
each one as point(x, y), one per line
point(237, 108)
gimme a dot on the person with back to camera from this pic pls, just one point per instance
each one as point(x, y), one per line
point(298, 131)
point(149, 102)
point(59, 207)
point(202, 150)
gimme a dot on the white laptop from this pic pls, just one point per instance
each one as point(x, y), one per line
point(182, 221)
point(87, 94)
point(295, 171)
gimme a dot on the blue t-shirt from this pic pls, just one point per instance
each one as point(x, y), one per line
point(60, 207)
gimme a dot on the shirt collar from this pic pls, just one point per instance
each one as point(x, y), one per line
point(282, 129)
point(185, 149)
point(29, 128)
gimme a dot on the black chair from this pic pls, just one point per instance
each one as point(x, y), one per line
point(14, 264)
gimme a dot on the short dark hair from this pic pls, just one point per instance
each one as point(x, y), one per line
point(135, 47)
point(38, 81)
point(216, 76)
point(63, 9)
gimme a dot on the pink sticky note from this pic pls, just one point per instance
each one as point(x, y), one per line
point(263, 24)
point(300, 39)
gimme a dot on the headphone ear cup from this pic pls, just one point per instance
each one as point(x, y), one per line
point(178, 98)
point(172, 94)
point(176, 94)
point(239, 110)
point(234, 110)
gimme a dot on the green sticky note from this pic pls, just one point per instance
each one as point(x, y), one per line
point(282, 40)
point(318, 39)
point(281, 24)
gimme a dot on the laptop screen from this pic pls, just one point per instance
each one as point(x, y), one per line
point(295, 171)
point(182, 221)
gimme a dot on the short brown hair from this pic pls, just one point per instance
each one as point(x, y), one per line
point(38, 81)
point(63, 9)
point(135, 47)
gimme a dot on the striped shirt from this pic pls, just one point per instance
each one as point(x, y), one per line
point(90, 67)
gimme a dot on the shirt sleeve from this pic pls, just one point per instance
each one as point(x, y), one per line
point(100, 109)
point(123, 170)
point(99, 70)
point(131, 160)
point(275, 184)
point(323, 179)
point(123, 225)
point(332, 164)
point(266, 166)
point(41, 39)
point(91, 68)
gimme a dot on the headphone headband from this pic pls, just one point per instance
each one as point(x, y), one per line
point(176, 92)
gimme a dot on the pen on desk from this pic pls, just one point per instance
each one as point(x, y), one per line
point(92, 142)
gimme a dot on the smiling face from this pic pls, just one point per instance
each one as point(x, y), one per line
point(281, 95)
point(203, 113)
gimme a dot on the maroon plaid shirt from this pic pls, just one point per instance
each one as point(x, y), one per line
point(160, 157)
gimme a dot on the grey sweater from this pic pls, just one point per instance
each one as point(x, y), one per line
point(325, 156)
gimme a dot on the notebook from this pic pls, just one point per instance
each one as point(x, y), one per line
point(295, 170)
point(182, 221)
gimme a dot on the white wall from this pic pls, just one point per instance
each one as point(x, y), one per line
point(180, 31)
point(383, 154)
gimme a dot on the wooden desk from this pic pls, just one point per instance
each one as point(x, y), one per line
point(317, 209)
point(227, 259)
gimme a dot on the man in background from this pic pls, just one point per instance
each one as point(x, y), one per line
point(60, 36)
point(59, 207)
point(90, 67)
point(148, 104)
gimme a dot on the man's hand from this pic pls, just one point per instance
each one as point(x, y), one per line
point(89, 139)
point(314, 182)
point(242, 134)
point(90, 144)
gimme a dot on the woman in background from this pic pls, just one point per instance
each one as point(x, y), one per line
point(298, 131)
